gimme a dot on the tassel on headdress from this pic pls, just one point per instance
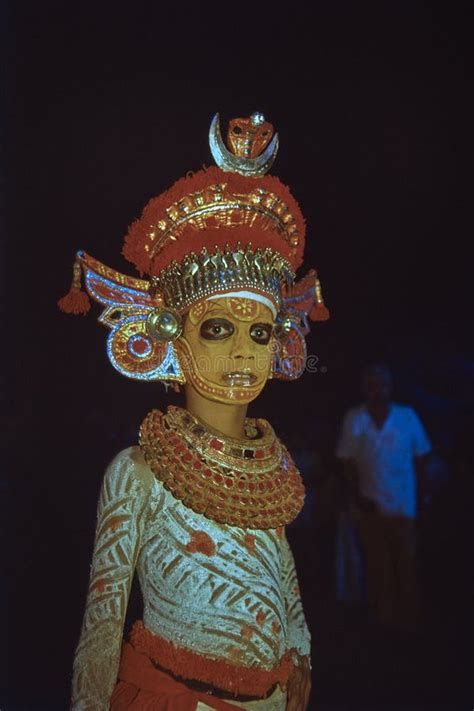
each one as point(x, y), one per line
point(75, 301)
point(319, 312)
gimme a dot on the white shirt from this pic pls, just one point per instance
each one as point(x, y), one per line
point(384, 457)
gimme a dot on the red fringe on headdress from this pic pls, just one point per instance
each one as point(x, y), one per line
point(319, 312)
point(138, 240)
point(75, 301)
point(311, 297)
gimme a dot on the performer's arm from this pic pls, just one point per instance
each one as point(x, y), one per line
point(121, 510)
point(298, 637)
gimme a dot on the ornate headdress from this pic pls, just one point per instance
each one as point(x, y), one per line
point(225, 230)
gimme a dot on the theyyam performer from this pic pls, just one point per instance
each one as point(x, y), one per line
point(198, 508)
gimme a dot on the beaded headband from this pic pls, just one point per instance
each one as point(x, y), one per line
point(224, 229)
point(204, 275)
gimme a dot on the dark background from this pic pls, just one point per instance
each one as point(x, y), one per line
point(106, 105)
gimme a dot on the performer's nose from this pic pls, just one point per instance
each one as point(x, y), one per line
point(241, 344)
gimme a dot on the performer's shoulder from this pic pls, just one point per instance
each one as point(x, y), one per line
point(127, 467)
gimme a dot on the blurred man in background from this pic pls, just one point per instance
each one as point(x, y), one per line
point(382, 444)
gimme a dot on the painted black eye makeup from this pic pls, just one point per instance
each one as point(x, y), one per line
point(260, 333)
point(216, 329)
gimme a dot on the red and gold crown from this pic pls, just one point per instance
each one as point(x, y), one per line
point(224, 229)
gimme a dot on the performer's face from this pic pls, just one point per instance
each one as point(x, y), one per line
point(226, 348)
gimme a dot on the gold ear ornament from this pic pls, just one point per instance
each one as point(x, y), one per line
point(164, 325)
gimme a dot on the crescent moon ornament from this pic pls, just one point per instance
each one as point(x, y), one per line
point(230, 163)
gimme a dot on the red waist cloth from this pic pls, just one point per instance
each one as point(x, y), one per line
point(219, 673)
point(141, 686)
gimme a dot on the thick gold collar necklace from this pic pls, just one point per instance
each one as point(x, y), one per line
point(251, 483)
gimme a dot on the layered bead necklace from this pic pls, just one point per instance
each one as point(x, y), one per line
point(251, 483)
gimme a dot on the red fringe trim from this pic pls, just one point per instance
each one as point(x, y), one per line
point(313, 305)
point(319, 312)
point(247, 681)
point(141, 685)
point(75, 301)
point(137, 237)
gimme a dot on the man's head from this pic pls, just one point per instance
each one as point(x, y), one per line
point(377, 384)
